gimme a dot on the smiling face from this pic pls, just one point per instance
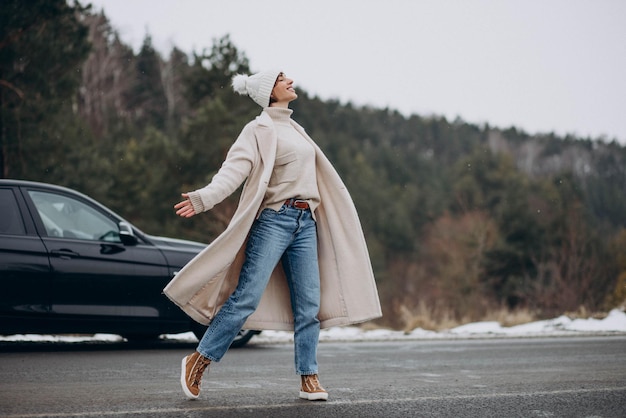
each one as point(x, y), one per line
point(283, 92)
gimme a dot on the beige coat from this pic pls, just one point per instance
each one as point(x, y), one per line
point(348, 288)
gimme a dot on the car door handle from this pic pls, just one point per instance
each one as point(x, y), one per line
point(64, 253)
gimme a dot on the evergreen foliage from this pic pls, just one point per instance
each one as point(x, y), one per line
point(42, 47)
point(460, 219)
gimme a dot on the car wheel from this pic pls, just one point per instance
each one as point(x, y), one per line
point(242, 338)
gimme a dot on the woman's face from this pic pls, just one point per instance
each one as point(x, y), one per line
point(283, 91)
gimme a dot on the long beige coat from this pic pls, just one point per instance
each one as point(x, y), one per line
point(348, 288)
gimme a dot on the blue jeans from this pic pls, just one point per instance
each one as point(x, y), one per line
point(288, 236)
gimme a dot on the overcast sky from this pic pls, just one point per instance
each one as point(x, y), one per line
point(539, 65)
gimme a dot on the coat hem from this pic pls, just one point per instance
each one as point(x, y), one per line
point(288, 326)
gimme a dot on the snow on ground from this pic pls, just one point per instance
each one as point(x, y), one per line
point(614, 323)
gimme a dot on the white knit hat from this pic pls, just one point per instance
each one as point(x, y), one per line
point(258, 86)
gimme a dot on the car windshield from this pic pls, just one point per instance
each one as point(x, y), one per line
point(65, 217)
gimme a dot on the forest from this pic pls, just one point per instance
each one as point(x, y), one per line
point(463, 222)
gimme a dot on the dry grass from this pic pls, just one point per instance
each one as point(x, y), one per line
point(427, 318)
point(509, 318)
point(422, 316)
point(584, 313)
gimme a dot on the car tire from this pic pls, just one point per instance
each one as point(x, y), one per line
point(242, 338)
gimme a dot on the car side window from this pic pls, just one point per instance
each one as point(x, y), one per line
point(67, 217)
point(11, 222)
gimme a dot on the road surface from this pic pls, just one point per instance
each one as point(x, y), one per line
point(535, 377)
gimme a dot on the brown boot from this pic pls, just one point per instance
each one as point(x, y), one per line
point(311, 389)
point(191, 374)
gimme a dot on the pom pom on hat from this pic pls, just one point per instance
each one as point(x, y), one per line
point(239, 84)
point(258, 86)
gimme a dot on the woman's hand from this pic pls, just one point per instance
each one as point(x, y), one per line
point(185, 208)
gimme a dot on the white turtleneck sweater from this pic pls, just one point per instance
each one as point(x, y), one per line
point(294, 170)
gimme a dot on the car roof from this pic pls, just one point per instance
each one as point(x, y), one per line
point(17, 182)
point(29, 183)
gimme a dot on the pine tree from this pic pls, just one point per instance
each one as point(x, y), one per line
point(42, 46)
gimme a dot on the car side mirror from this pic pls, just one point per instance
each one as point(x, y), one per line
point(127, 236)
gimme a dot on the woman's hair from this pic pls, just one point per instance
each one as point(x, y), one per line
point(272, 99)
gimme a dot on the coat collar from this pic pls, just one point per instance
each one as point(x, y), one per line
point(264, 119)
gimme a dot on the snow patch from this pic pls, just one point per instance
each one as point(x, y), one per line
point(615, 322)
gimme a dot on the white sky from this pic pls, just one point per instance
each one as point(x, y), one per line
point(540, 65)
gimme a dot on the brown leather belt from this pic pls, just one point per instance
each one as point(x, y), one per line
point(297, 203)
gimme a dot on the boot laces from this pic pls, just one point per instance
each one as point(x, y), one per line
point(312, 382)
point(198, 371)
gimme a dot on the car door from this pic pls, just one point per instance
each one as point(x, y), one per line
point(98, 283)
point(24, 268)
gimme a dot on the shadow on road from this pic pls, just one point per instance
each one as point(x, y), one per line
point(60, 346)
point(35, 346)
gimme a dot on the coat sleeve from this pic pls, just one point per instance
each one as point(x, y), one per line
point(234, 170)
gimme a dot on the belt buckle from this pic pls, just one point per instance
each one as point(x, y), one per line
point(300, 204)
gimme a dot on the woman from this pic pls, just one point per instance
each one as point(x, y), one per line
point(293, 256)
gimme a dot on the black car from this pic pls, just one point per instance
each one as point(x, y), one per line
point(70, 265)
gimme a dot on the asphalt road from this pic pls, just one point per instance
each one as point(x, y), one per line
point(551, 377)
